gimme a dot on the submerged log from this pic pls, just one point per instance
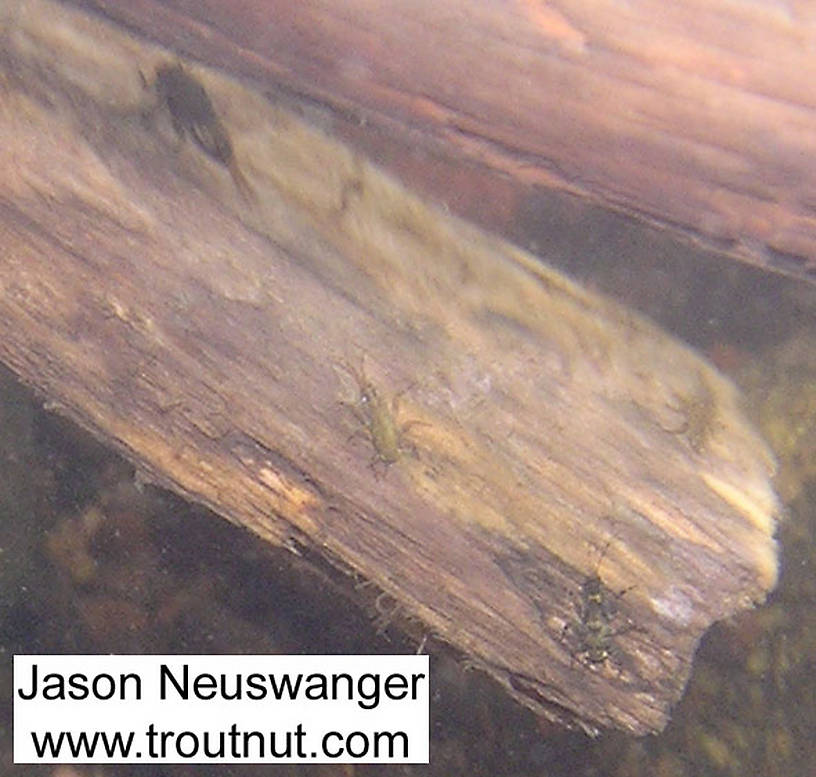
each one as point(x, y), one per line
point(697, 117)
point(550, 449)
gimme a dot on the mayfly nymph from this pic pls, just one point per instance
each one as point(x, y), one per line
point(192, 112)
point(698, 411)
point(597, 612)
point(378, 418)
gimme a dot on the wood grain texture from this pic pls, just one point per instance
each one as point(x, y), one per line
point(698, 116)
point(561, 436)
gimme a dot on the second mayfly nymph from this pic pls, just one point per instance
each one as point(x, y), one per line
point(378, 417)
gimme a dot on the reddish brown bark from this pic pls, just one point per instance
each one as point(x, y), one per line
point(698, 116)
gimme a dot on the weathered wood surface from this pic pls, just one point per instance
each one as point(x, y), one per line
point(561, 435)
point(699, 116)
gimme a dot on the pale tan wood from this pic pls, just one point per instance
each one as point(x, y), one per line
point(214, 342)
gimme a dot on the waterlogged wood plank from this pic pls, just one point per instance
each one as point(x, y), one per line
point(549, 450)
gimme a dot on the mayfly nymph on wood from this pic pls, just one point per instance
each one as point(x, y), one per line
point(191, 111)
point(378, 418)
point(698, 412)
point(596, 625)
